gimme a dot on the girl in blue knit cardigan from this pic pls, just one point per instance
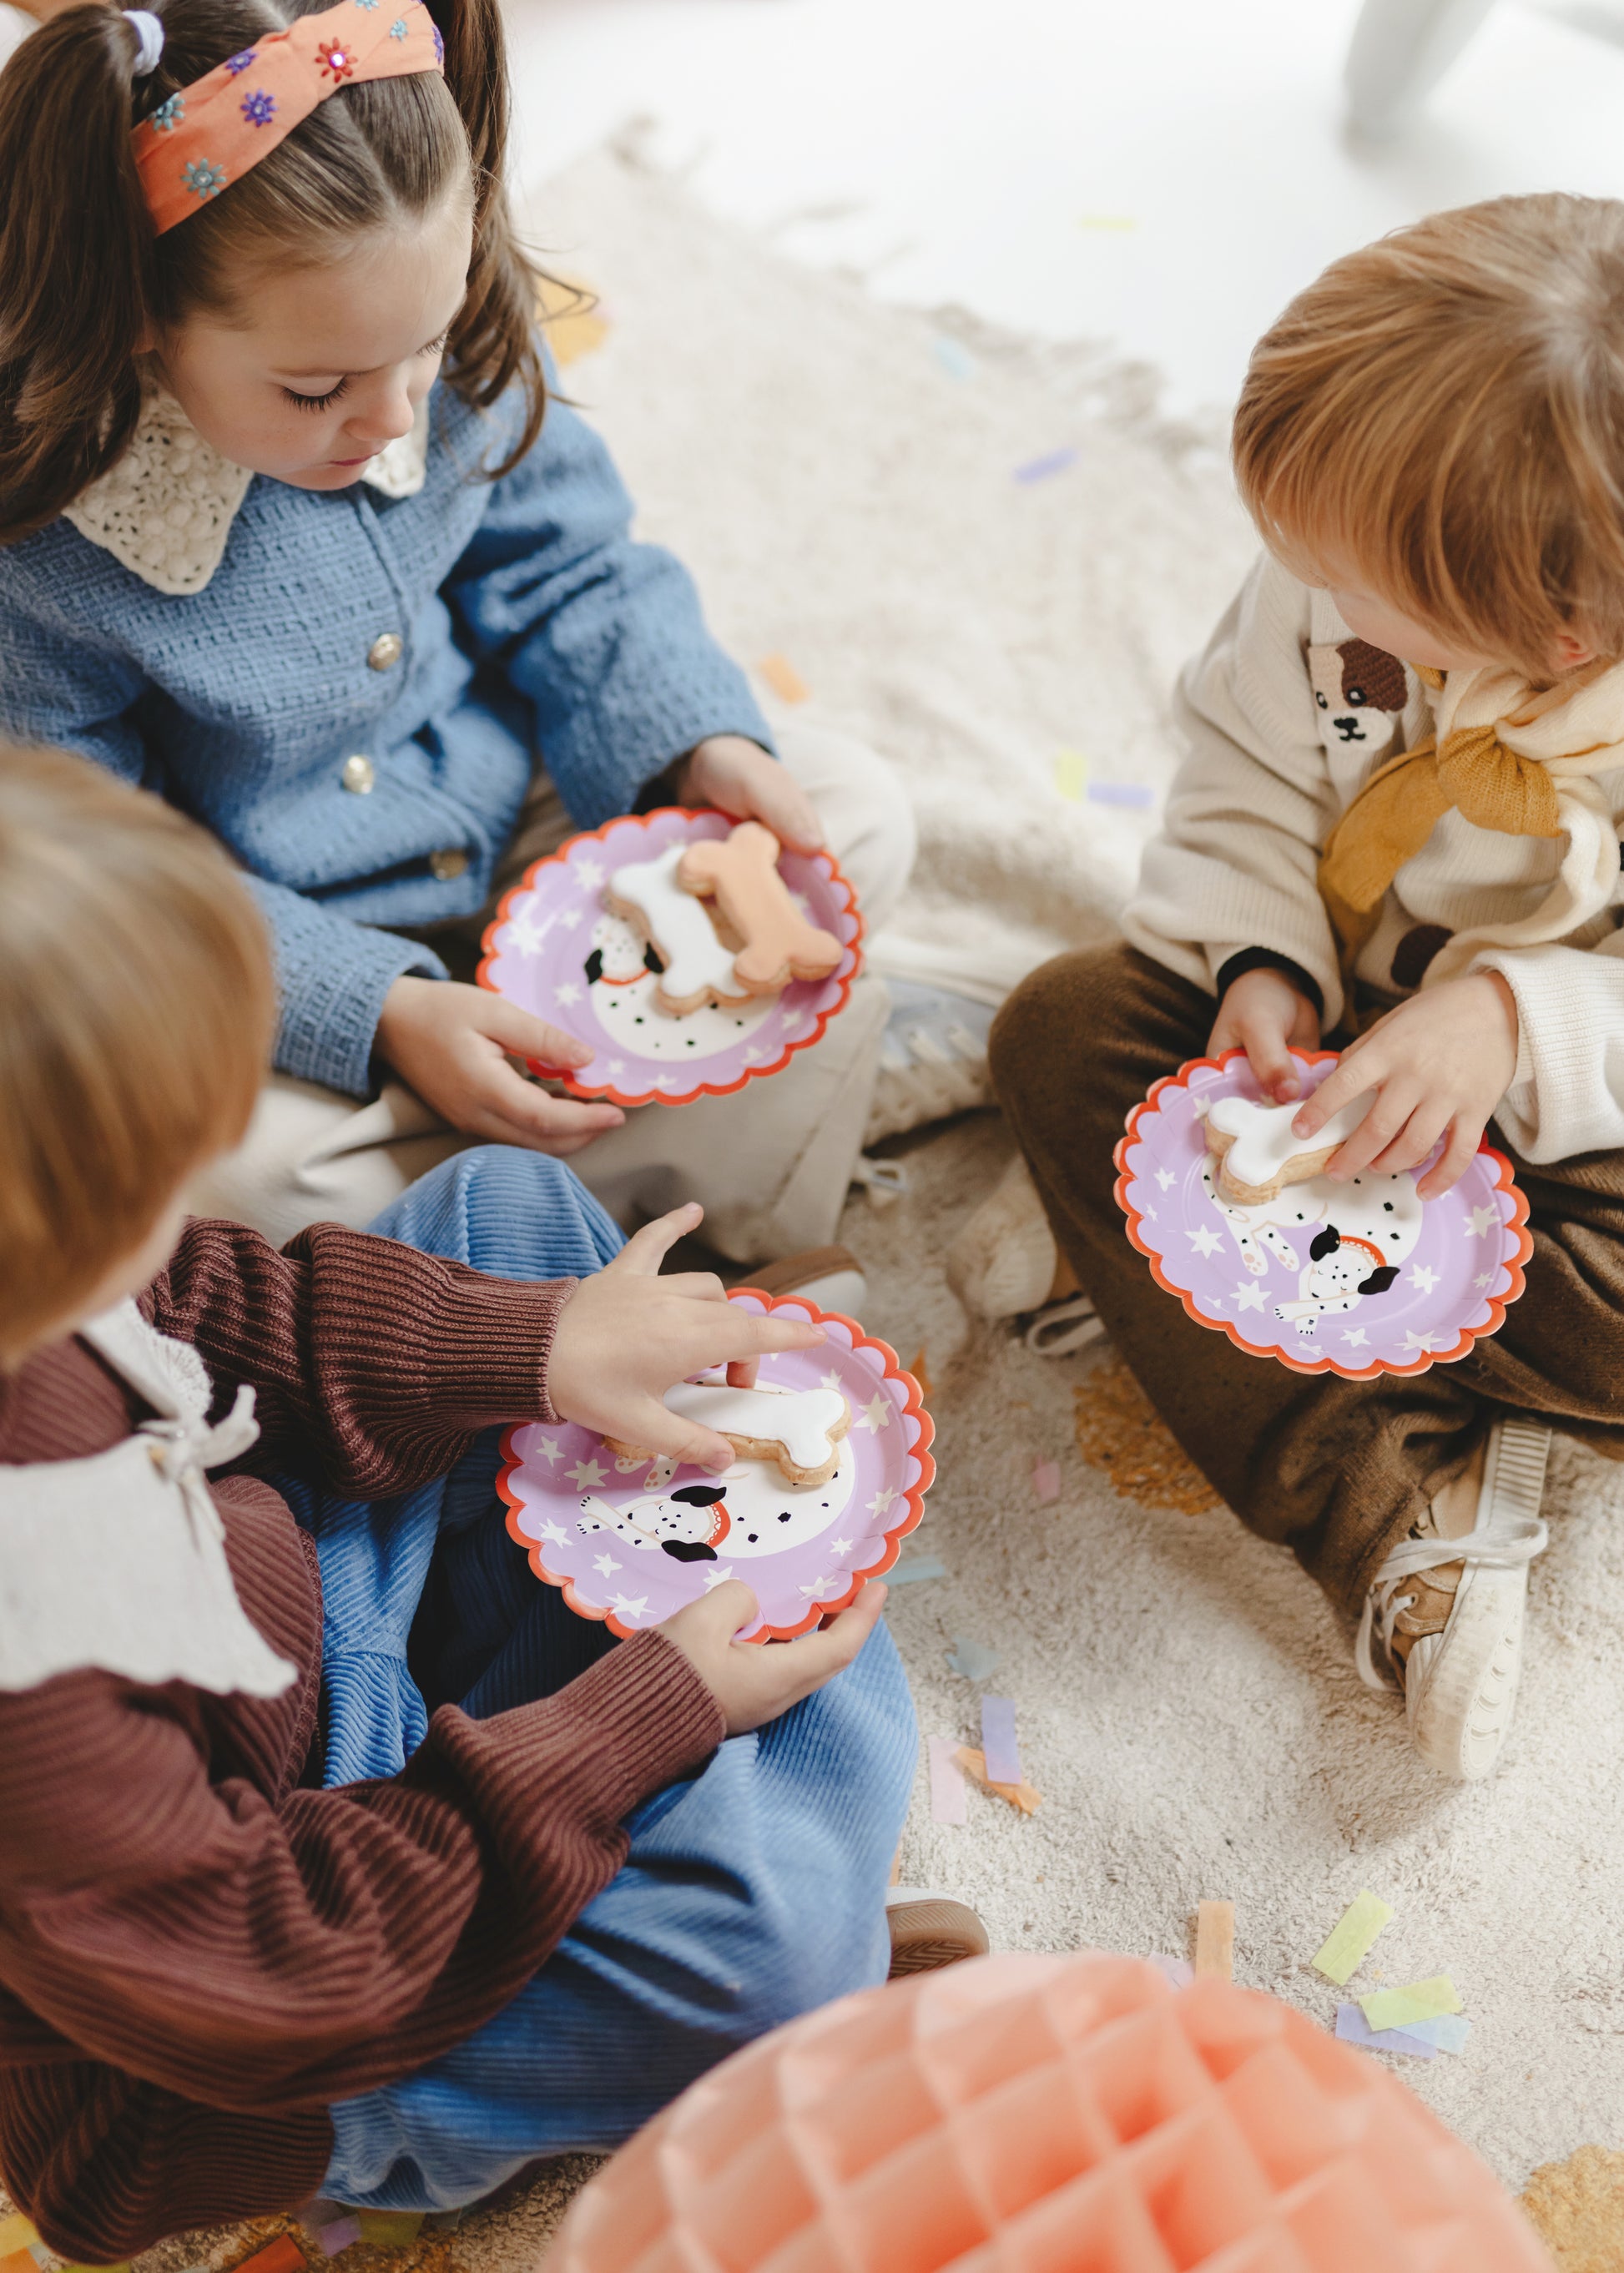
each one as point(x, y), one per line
point(290, 532)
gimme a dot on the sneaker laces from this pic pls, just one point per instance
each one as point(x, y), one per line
point(1064, 1327)
point(1502, 1545)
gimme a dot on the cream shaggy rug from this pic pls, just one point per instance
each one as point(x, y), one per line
point(1187, 1706)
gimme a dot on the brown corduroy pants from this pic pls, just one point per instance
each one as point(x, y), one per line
point(1337, 1470)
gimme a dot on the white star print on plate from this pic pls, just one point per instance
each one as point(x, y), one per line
point(1249, 1298)
point(1205, 1240)
point(586, 1475)
point(1485, 1280)
point(588, 875)
point(1357, 1338)
point(548, 1447)
point(604, 1564)
point(555, 1532)
point(876, 1414)
point(1423, 1277)
point(1483, 1219)
point(1166, 1179)
point(715, 1575)
point(1413, 1341)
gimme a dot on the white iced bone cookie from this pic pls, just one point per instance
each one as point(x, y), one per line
point(800, 1428)
point(698, 968)
point(1256, 1153)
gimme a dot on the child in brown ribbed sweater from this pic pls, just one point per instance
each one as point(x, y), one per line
point(280, 1916)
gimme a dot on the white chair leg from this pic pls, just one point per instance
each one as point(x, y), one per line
point(1401, 49)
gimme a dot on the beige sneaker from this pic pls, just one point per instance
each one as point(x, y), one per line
point(830, 1277)
point(929, 1930)
point(1006, 1262)
point(1449, 1634)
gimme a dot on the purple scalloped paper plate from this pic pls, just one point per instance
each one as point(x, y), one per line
point(555, 949)
point(804, 1552)
point(1452, 1264)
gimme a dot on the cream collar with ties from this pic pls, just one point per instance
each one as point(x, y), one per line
point(165, 510)
point(118, 1562)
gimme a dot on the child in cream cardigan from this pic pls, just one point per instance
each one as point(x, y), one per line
point(1397, 827)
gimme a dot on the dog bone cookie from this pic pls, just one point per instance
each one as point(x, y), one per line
point(800, 1428)
point(740, 872)
point(699, 968)
point(1258, 1155)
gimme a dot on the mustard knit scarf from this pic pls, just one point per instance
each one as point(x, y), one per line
point(1508, 757)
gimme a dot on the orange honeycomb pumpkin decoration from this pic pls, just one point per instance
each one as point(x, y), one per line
point(1031, 2114)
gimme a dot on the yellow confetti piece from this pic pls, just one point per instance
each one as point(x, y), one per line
point(920, 1372)
point(1417, 2000)
point(574, 321)
point(1214, 1941)
point(1107, 220)
point(784, 680)
point(390, 2229)
point(1351, 1939)
point(1021, 1795)
point(16, 2232)
point(1071, 775)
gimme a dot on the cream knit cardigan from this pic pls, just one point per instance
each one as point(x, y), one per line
point(1276, 752)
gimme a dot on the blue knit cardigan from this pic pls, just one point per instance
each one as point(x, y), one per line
point(531, 623)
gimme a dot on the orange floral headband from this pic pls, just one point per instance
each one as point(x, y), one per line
point(208, 135)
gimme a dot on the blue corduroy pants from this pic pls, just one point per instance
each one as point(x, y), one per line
point(751, 1892)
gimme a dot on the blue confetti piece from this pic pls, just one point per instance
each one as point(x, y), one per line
point(999, 1748)
point(956, 360)
point(1354, 2029)
point(922, 1566)
point(1449, 2031)
point(1041, 469)
point(972, 1659)
point(1134, 793)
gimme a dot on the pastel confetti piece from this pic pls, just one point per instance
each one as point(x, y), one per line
point(576, 322)
point(1133, 793)
point(1041, 469)
point(1352, 1938)
point(999, 1749)
point(971, 1659)
point(1417, 2000)
point(1214, 1941)
point(42, 2256)
point(784, 680)
point(955, 359)
point(17, 2260)
point(920, 1372)
point(1449, 2031)
point(1177, 1970)
point(282, 2256)
point(918, 1566)
point(16, 2232)
point(1071, 774)
point(390, 2229)
point(339, 2235)
point(1353, 2029)
point(1046, 1482)
point(950, 1801)
point(1021, 1795)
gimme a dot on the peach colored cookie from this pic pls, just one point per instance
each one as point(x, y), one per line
point(800, 1428)
point(1257, 1154)
point(698, 967)
point(740, 874)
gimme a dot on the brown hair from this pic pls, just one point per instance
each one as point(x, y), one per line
point(137, 1006)
point(1445, 412)
point(83, 279)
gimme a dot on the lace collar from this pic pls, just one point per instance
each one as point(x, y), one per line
point(165, 510)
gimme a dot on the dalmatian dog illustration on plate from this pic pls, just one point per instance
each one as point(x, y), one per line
point(623, 973)
point(746, 1511)
point(1347, 1241)
point(1360, 692)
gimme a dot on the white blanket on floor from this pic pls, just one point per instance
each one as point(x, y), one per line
point(848, 504)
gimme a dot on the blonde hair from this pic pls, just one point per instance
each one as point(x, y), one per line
point(137, 1006)
point(1444, 412)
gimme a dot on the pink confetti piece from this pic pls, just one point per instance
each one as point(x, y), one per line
point(949, 1800)
point(1045, 1481)
point(1178, 1971)
point(1107, 792)
point(999, 1748)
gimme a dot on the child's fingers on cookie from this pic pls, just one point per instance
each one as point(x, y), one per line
point(747, 1334)
point(1270, 1057)
point(1354, 1072)
point(653, 1428)
point(1416, 1139)
point(1382, 1127)
point(1465, 1135)
point(780, 801)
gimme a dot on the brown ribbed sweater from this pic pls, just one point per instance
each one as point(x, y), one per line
point(197, 1952)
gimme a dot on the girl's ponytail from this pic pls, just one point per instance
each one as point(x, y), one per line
point(76, 258)
point(495, 332)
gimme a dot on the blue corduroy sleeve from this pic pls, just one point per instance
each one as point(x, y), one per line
point(604, 635)
point(332, 975)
